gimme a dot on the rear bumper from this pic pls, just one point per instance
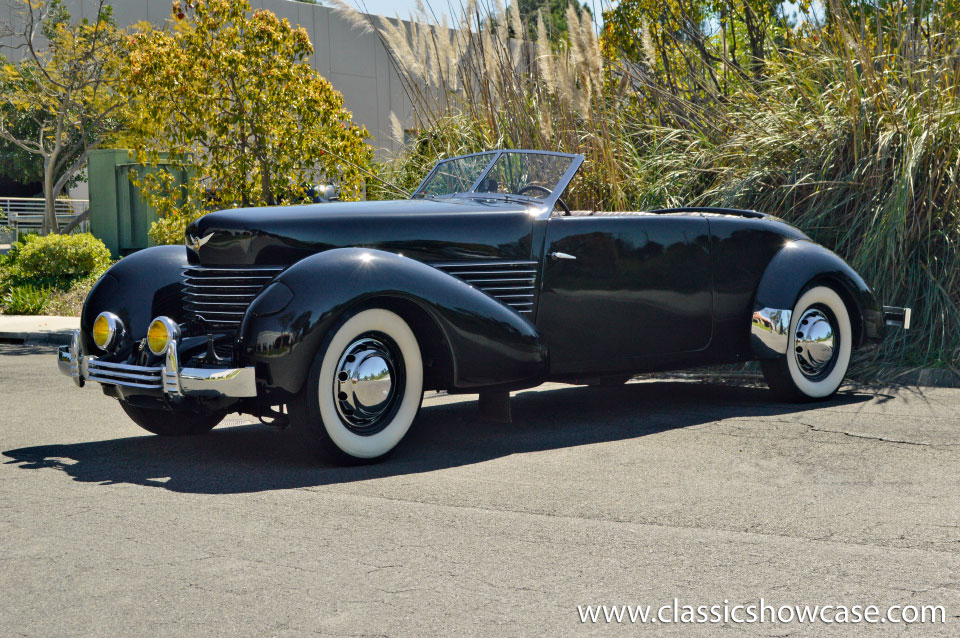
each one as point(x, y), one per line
point(896, 316)
point(169, 379)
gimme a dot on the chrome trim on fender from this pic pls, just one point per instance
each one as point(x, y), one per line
point(770, 332)
point(170, 379)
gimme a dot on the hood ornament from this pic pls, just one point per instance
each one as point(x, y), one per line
point(195, 242)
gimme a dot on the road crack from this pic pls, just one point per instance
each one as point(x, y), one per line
point(880, 439)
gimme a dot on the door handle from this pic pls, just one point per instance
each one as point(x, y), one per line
point(558, 255)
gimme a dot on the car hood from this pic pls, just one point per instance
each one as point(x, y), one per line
point(423, 229)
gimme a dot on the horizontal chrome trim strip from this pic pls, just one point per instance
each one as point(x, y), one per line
point(217, 303)
point(124, 366)
point(216, 287)
point(103, 372)
point(244, 278)
point(240, 295)
point(489, 288)
point(230, 313)
point(490, 273)
point(500, 281)
point(479, 264)
point(205, 269)
point(154, 386)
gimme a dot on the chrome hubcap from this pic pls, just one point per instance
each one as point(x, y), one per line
point(366, 386)
point(815, 343)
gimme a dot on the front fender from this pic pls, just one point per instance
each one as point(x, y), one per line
point(137, 288)
point(795, 266)
point(487, 343)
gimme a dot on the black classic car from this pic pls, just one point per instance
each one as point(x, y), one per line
point(338, 316)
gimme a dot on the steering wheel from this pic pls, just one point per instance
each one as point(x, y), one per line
point(546, 191)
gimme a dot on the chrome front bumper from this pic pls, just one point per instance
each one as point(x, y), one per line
point(170, 379)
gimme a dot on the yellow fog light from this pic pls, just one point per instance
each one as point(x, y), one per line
point(107, 330)
point(162, 331)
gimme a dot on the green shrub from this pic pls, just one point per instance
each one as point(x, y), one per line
point(61, 258)
point(69, 302)
point(25, 300)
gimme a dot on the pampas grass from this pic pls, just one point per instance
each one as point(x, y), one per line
point(853, 135)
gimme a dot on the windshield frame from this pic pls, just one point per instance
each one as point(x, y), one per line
point(547, 203)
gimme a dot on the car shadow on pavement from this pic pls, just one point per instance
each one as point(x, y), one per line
point(254, 458)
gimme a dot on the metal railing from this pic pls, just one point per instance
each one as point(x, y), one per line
point(25, 214)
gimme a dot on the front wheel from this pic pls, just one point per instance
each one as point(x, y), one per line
point(364, 388)
point(818, 352)
point(168, 423)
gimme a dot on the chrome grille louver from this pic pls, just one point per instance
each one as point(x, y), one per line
point(124, 374)
point(511, 282)
point(220, 296)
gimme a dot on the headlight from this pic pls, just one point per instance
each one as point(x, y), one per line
point(107, 331)
point(162, 331)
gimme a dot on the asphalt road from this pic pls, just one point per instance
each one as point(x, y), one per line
point(631, 495)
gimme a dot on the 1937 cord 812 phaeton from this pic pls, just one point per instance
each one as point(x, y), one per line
point(482, 282)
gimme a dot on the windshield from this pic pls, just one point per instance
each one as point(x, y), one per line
point(532, 174)
point(455, 175)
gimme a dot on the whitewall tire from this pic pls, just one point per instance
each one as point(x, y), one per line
point(819, 347)
point(364, 388)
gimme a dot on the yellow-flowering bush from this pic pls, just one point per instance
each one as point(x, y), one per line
point(227, 97)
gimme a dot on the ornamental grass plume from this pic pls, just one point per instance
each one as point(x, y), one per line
point(849, 129)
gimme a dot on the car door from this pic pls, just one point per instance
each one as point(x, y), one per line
point(620, 291)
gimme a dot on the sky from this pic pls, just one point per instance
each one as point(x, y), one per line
point(387, 7)
point(391, 8)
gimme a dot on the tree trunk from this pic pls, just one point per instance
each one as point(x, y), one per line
point(76, 221)
point(756, 35)
point(49, 201)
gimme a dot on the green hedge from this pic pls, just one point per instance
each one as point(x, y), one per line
point(61, 257)
point(52, 274)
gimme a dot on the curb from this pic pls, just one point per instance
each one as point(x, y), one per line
point(35, 338)
point(928, 377)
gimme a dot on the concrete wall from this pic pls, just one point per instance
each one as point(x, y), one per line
point(355, 63)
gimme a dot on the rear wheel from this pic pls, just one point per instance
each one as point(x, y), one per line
point(169, 423)
point(364, 388)
point(819, 348)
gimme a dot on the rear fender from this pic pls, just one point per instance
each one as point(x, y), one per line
point(795, 267)
point(486, 343)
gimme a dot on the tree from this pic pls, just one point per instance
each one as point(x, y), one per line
point(16, 164)
point(701, 43)
point(64, 92)
point(226, 96)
